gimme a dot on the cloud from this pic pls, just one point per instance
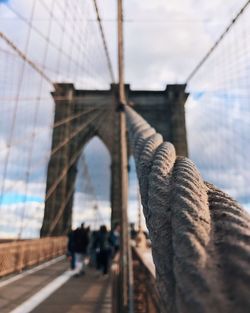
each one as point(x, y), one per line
point(178, 36)
point(217, 138)
point(164, 40)
point(19, 219)
point(85, 211)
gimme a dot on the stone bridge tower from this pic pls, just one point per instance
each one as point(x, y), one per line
point(82, 114)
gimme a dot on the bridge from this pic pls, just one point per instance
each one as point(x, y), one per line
point(178, 155)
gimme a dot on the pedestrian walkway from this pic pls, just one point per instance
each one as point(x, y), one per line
point(55, 289)
point(89, 293)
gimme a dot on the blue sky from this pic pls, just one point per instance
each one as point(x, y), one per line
point(13, 198)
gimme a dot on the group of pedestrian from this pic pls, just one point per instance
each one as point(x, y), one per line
point(93, 247)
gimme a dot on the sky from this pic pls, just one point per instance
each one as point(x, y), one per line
point(164, 40)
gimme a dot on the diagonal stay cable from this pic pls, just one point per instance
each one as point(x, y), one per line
point(72, 160)
point(25, 58)
point(104, 42)
point(75, 116)
point(46, 159)
point(66, 120)
point(61, 210)
point(76, 132)
point(18, 92)
point(63, 205)
point(37, 30)
point(211, 50)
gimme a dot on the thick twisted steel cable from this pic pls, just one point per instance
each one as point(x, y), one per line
point(200, 236)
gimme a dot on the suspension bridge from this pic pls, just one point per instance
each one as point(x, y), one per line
point(186, 147)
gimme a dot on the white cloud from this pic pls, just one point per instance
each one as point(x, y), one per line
point(164, 40)
point(20, 219)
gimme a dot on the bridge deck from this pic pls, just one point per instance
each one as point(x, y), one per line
point(54, 289)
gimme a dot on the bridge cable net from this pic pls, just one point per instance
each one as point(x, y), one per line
point(42, 43)
point(200, 235)
point(94, 217)
point(218, 112)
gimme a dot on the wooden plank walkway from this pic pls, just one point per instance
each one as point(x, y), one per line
point(90, 293)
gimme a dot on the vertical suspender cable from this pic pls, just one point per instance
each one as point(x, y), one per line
point(125, 261)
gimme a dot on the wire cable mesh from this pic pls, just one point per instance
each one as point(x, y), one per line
point(218, 114)
point(41, 42)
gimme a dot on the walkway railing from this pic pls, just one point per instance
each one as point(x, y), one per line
point(18, 255)
point(146, 294)
point(200, 235)
point(123, 287)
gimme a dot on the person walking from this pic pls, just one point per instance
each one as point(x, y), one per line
point(71, 249)
point(81, 242)
point(103, 250)
point(92, 249)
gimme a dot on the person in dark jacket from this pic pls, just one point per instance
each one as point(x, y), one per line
point(71, 249)
point(92, 248)
point(81, 241)
point(103, 250)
